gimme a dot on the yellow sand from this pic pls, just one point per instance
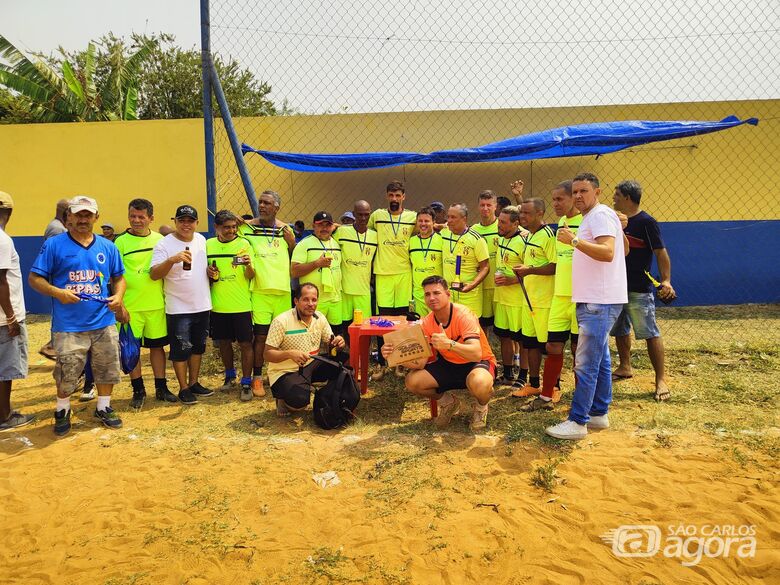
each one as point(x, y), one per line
point(222, 492)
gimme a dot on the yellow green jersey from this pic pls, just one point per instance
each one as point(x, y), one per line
point(271, 257)
point(232, 292)
point(540, 251)
point(471, 248)
point(357, 253)
point(563, 254)
point(510, 253)
point(393, 233)
point(426, 257)
point(490, 235)
point(143, 293)
point(327, 278)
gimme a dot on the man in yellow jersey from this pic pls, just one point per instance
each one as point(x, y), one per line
point(538, 274)
point(394, 227)
point(459, 241)
point(563, 316)
point(272, 241)
point(393, 272)
point(230, 274)
point(425, 253)
point(144, 299)
point(508, 295)
point(488, 229)
point(317, 259)
point(358, 246)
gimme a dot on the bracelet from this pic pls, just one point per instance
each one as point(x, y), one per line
point(10, 320)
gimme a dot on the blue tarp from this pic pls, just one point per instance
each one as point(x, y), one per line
point(580, 140)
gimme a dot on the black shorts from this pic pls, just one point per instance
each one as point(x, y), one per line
point(231, 327)
point(450, 376)
point(187, 334)
point(530, 342)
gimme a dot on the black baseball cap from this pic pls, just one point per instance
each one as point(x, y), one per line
point(186, 211)
point(437, 205)
point(322, 217)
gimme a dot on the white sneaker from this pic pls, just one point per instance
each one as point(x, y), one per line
point(568, 430)
point(599, 422)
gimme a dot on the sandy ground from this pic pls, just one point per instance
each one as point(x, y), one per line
point(222, 492)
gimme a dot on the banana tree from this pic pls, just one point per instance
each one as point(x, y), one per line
point(71, 95)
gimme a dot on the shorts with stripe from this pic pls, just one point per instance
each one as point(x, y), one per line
point(151, 327)
point(508, 321)
point(351, 302)
point(394, 290)
point(562, 320)
point(534, 330)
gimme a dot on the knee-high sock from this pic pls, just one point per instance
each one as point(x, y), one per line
point(553, 365)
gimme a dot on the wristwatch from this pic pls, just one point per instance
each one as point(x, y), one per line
point(452, 344)
point(574, 241)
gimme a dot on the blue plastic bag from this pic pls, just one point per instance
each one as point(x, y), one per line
point(129, 348)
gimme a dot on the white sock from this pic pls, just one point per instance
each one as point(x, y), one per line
point(63, 403)
point(545, 398)
point(480, 407)
point(103, 402)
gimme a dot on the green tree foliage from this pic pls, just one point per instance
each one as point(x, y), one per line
point(146, 77)
point(171, 85)
point(38, 89)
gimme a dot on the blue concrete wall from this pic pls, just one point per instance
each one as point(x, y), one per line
point(713, 262)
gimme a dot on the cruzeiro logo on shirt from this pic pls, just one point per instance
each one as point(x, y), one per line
point(101, 258)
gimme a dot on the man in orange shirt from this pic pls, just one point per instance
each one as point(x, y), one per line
point(461, 358)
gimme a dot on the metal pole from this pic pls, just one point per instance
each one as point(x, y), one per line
point(208, 114)
point(227, 120)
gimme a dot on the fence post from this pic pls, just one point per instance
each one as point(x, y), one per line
point(208, 114)
point(227, 120)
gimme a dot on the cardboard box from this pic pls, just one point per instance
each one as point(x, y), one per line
point(409, 343)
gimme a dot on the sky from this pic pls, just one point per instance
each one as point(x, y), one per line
point(392, 55)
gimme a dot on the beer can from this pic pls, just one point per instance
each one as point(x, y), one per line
point(357, 317)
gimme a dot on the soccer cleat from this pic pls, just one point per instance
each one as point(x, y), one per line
point(200, 391)
point(246, 392)
point(228, 384)
point(503, 381)
point(88, 393)
point(109, 418)
point(187, 397)
point(525, 391)
point(257, 387)
point(537, 403)
point(137, 401)
point(62, 422)
point(15, 420)
point(165, 395)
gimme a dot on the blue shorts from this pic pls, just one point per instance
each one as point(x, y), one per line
point(638, 313)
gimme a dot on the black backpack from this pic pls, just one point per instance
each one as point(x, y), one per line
point(334, 402)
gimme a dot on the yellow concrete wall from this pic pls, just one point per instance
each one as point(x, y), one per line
point(728, 175)
point(110, 161)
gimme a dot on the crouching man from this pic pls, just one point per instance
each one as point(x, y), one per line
point(293, 337)
point(462, 357)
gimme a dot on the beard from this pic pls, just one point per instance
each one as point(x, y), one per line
point(394, 206)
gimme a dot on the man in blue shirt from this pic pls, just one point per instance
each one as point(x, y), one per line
point(83, 274)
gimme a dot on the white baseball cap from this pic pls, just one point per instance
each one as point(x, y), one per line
point(82, 203)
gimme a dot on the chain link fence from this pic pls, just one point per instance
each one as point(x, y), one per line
point(350, 77)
